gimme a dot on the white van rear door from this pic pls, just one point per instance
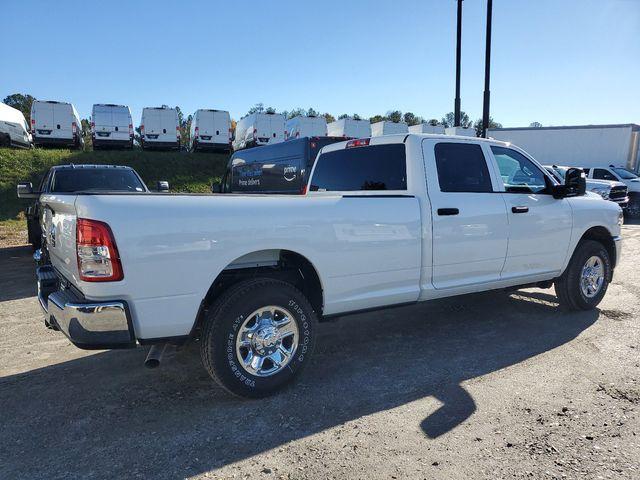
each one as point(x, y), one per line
point(43, 116)
point(221, 127)
point(102, 119)
point(63, 118)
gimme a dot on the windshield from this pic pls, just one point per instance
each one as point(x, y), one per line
point(624, 173)
point(101, 179)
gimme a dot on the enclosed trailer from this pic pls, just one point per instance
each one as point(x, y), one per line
point(388, 128)
point(349, 128)
point(211, 130)
point(427, 128)
point(301, 126)
point(259, 129)
point(578, 146)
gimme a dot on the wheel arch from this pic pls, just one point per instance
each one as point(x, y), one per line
point(282, 264)
point(602, 235)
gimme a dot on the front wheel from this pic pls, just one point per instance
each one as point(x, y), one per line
point(257, 337)
point(585, 281)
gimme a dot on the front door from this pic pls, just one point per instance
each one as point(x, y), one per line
point(539, 225)
point(469, 220)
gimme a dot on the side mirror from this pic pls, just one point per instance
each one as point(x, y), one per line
point(25, 190)
point(216, 188)
point(163, 186)
point(575, 184)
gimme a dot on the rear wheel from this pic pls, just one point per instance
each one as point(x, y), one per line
point(585, 281)
point(257, 337)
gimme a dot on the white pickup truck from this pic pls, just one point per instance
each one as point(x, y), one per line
point(390, 220)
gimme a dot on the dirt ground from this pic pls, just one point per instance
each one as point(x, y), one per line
point(495, 385)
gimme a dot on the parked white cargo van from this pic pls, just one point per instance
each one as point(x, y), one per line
point(460, 131)
point(301, 126)
point(426, 128)
point(349, 128)
point(14, 130)
point(259, 129)
point(55, 123)
point(111, 126)
point(159, 128)
point(211, 129)
point(388, 128)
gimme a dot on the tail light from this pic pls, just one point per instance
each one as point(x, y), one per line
point(93, 126)
point(303, 190)
point(255, 133)
point(98, 258)
point(74, 127)
point(358, 142)
point(141, 129)
point(197, 132)
point(230, 134)
point(33, 126)
point(131, 130)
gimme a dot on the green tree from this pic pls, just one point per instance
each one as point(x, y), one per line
point(376, 119)
point(86, 132)
point(328, 117)
point(448, 120)
point(344, 115)
point(412, 119)
point(433, 122)
point(20, 102)
point(355, 116)
point(394, 116)
point(535, 125)
point(492, 124)
point(184, 125)
point(270, 110)
point(311, 112)
point(257, 108)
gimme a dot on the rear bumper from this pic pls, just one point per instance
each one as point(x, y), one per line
point(67, 142)
point(106, 142)
point(205, 145)
point(87, 324)
point(149, 144)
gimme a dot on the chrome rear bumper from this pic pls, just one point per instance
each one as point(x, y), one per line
point(87, 324)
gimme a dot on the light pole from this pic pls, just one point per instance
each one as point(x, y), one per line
point(456, 109)
point(487, 68)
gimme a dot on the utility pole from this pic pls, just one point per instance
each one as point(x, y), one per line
point(456, 110)
point(487, 76)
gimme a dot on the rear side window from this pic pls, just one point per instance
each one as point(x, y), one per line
point(96, 179)
point(462, 168)
point(376, 167)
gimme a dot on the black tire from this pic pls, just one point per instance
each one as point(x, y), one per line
point(633, 209)
point(568, 286)
point(224, 320)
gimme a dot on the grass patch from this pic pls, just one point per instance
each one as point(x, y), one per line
point(185, 172)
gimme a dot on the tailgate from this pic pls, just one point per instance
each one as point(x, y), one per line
point(59, 228)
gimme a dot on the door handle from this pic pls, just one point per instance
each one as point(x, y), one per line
point(520, 209)
point(448, 211)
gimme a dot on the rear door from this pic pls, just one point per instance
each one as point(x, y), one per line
point(539, 225)
point(221, 125)
point(63, 120)
point(469, 220)
point(44, 120)
point(120, 119)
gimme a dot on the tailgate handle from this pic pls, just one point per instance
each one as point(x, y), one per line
point(520, 209)
point(448, 211)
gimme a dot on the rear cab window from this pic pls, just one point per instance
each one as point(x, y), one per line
point(95, 179)
point(381, 168)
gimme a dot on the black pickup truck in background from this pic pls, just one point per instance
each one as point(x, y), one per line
point(280, 168)
point(78, 178)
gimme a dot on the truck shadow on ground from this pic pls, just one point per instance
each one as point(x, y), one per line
point(17, 273)
point(106, 415)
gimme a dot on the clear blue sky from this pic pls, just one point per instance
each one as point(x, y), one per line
point(554, 61)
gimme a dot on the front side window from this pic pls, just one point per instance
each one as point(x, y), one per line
point(602, 174)
point(519, 174)
point(462, 168)
point(375, 167)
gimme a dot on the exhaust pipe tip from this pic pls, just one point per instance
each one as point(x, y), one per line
point(155, 355)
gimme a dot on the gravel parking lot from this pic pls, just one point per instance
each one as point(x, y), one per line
point(495, 385)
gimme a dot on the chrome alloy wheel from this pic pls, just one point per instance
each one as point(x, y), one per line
point(267, 341)
point(592, 277)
